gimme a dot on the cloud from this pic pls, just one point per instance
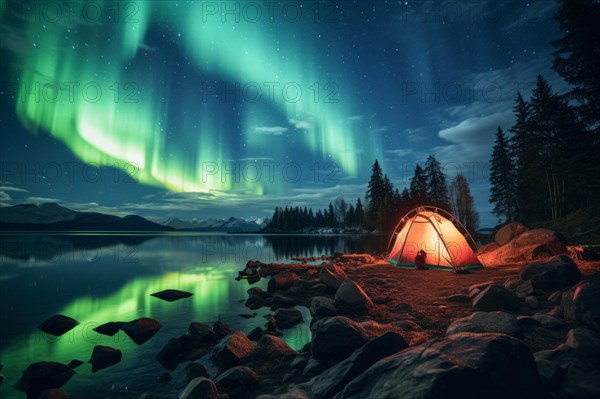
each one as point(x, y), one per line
point(300, 124)
point(379, 130)
point(146, 47)
point(37, 200)
point(271, 130)
point(4, 196)
point(355, 118)
point(400, 152)
point(12, 188)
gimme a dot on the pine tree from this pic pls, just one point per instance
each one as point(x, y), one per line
point(437, 190)
point(331, 216)
point(418, 187)
point(463, 203)
point(375, 195)
point(502, 179)
point(359, 214)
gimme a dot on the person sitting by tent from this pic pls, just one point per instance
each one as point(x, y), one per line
point(420, 260)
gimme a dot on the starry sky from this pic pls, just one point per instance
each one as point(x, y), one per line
point(216, 109)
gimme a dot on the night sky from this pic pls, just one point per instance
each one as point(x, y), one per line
point(218, 109)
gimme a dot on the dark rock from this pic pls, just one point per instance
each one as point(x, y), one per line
point(523, 289)
point(332, 276)
point(528, 321)
point(104, 356)
point(236, 380)
point(165, 378)
point(314, 367)
point(335, 338)
point(403, 307)
point(295, 394)
point(495, 297)
point(286, 318)
point(221, 329)
point(529, 246)
point(318, 289)
point(147, 395)
point(491, 366)
point(110, 328)
point(141, 330)
point(322, 306)
point(170, 355)
point(549, 322)
point(40, 376)
point(255, 334)
point(556, 273)
point(58, 325)
point(350, 297)
point(201, 388)
point(458, 298)
point(231, 349)
point(75, 363)
point(555, 297)
point(274, 347)
point(508, 232)
point(282, 301)
point(203, 331)
point(299, 361)
point(480, 287)
point(486, 322)
point(247, 315)
point(334, 379)
point(171, 295)
point(54, 393)
point(580, 304)
point(584, 340)
point(407, 325)
point(258, 298)
point(532, 302)
point(194, 370)
point(282, 281)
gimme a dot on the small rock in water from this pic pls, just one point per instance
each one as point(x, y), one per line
point(54, 393)
point(110, 328)
point(75, 363)
point(221, 329)
point(194, 370)
point(247, 316)
point(104, 356)
point(43, 375)
point(165, 378)
point(171, 295)
point(58, 325)
point(141, 330)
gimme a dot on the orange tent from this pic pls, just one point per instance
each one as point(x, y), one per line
point(444, 239)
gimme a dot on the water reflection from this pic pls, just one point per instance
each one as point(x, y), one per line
point(97, 279)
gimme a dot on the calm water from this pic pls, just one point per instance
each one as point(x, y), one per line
point(100, 278)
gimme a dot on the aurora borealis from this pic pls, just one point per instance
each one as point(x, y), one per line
point(232, 108)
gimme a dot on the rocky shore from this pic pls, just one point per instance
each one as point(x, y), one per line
point(528, 329)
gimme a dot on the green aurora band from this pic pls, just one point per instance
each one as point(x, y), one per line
point(66, 63)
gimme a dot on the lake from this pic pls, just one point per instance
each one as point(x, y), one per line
point(97, 278)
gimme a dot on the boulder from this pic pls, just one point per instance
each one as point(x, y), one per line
point(486, 322)
point(532, 302)
point(171, 295)
point(274, 347)
point(258, 299)
point(75, 363)
point(286, 318)
point(232, 349)
point(201, 388)
point(282, 301)
point(509, 232)
point(40, 376)
point(458, 298)
point(110, 328)
point(553, 274)
point(492, 366)
point(322, 306)
point(580, 304)
point(282, 281)
point(203, 331)
point(221, 329)
point(335, 338)
point(529, 246)
point(584, 340)
point(255, 334)
point(54, 393)
point(195, 370)
point(350, 297)
point(549, 322)
point(237, 379)
point(58, 325)
point(141, 330)
point(523, 288)
point(104, 356)
point(334, 379)
point(495, 297)
point(332, 276)
point(170, 355)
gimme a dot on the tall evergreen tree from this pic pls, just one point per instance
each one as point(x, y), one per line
point(418, 187)
point(463, 203)
point(375, 195)
point(502, 179)
point(437, 190)
point(359, 214)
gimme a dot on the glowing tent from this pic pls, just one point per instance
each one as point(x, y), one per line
point(444, 239)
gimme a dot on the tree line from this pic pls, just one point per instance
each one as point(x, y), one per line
point(545, 166)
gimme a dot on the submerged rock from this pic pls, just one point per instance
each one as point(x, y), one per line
point(75, 363)
point(40, 376)
point(141, 330)
point(194, 370)
point(110, 328)
point(58, 325)
point(104, 356)
point(171, 295)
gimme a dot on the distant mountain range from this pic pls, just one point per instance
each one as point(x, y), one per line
point(231, 225)
point(53, 217)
